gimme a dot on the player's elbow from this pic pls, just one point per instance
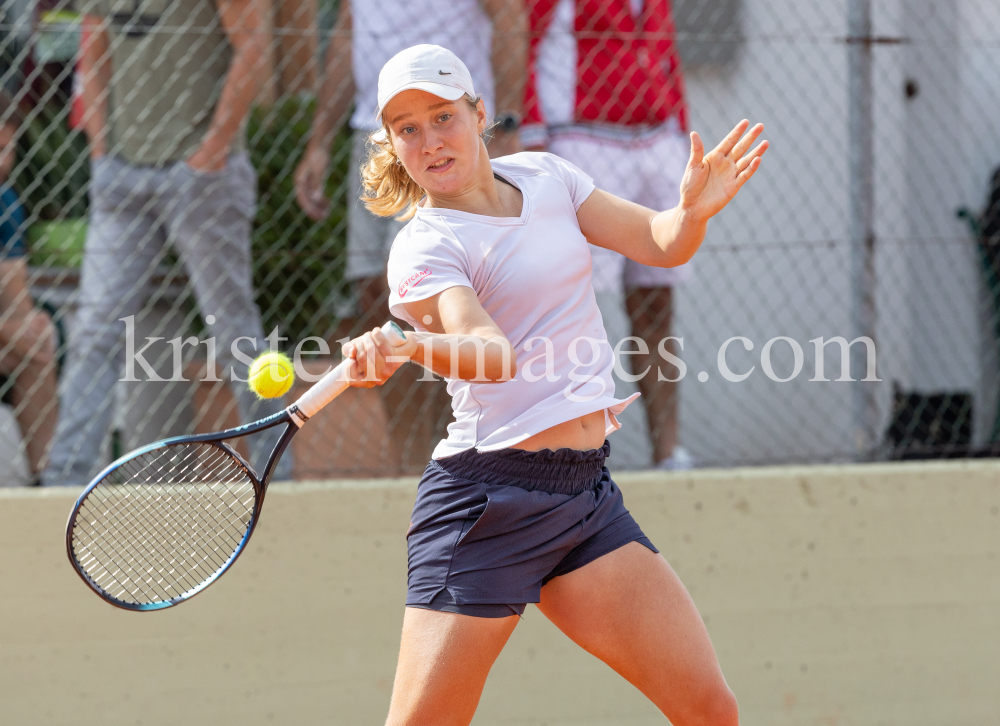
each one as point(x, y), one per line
point(505, 371)
point(675, 254)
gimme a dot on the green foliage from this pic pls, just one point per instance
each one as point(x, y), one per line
point(53, 169)
point(58, 243)
point(298, 263)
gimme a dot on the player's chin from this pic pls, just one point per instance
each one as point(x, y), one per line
point(447, 183)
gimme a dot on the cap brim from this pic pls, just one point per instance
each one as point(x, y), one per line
point(448, 93)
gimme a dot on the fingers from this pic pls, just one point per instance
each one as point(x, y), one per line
point(744, 143)
point(697, 150)
point(390, 352)
point(369, 358)
point(744, 175)
point(755, 154)
point(726, 145)
point(373, 359)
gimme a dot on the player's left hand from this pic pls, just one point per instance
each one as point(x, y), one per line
point(374, 359)
point(712, 179)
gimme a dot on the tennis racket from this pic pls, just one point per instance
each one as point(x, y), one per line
point(164, 522)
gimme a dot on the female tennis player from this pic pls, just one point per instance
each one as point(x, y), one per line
point(517, 505)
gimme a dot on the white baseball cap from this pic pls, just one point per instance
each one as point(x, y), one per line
point(428, 68)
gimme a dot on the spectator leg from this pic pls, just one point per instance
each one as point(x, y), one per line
point(122, 250)
point(36, 409)
point(27, 355)
point(650, 309)
point(630, 447)
point(210, 221)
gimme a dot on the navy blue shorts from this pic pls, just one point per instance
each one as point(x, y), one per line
point(489, 529)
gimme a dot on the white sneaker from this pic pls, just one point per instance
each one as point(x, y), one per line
point(679, 460)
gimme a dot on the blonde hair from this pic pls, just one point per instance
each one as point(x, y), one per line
point(389, 191)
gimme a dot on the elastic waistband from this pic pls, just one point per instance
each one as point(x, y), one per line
point(565, 471)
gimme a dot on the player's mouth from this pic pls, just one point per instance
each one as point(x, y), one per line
point(440, 166)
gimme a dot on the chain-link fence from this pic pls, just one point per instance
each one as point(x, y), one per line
point(172, 167)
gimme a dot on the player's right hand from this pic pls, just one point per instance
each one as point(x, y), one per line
point(310, 180)
point(374, 359)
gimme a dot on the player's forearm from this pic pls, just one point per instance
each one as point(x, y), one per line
point(95, 69)
point(484, 359)
point(509, 52)
point(247, 34)
point(336, 91)
point(678, 234)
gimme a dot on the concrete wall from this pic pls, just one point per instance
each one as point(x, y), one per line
point(853, 595)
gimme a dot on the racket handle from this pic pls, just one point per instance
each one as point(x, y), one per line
point(335, 382)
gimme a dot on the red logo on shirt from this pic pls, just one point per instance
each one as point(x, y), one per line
point(412, 281)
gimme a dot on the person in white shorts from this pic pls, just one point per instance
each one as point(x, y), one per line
point(491, 35)
point(579, 108)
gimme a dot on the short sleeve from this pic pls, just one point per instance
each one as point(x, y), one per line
point(422, 263)
point(579, 184)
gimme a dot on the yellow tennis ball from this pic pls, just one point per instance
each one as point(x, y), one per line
point(271, 375)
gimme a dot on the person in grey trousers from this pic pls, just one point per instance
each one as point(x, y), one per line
point(167, 88)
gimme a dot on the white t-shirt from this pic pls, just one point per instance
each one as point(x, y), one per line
point(384, 28)
point(532, 275)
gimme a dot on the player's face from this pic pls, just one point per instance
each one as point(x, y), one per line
point(437, 140)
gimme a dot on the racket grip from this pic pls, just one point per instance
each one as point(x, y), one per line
point(335, 382)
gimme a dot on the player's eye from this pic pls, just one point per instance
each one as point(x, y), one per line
point(407, 130)
point(444, 117)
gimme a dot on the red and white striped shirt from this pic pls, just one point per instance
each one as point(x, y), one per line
point(603, 62)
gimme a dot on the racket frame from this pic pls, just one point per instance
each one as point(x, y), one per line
point(324, 391)
point(217, 439)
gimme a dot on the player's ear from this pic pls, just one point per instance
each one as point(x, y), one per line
point(482, 118)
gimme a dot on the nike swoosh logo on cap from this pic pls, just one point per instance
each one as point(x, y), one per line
point(443, 73)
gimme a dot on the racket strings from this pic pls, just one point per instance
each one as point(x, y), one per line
point(163, 522)
point(128, 536)
point(210, 530)
point(161, 571)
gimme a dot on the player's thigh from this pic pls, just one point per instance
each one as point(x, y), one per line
point(444, 659)
point(631, 610)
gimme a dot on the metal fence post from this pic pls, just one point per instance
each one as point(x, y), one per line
point(862, 231)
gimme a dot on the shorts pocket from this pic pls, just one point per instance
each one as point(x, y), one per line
point(476, 516)
point(512, 513)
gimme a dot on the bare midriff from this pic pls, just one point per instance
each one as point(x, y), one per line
point(583, 434)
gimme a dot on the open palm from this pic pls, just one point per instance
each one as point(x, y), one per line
point(712, 179)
